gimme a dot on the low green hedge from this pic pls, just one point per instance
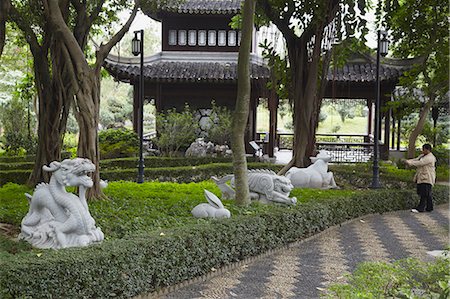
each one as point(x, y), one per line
point(160, 162)
point(145, 262)
point(181, 174)
point(27, 158)
point(16, 166)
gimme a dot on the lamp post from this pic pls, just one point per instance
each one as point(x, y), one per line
point(137, 47)
point(382, 50)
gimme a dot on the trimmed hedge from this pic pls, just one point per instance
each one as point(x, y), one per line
point(27, 158)
point(159, 162)
point(16, 166)
point(143, 263)
point(181, 174)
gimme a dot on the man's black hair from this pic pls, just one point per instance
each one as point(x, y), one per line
point(426, 146)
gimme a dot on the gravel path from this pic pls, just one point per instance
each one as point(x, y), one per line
point(306, 268)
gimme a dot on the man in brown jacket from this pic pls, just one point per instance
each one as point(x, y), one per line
point(424, 178)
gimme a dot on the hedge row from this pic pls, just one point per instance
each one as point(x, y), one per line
point(144, 263)
point(182, 174)
point(159, 162)
point(27, 158)
point(131, 163)
point(354, 177)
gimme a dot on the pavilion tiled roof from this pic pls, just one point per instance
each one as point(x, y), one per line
point(194, 7)
point(173, 69)
point(362, 68)
point(222, 67)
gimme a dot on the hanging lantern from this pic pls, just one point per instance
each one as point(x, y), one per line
point(135, 45)
point(384, 44)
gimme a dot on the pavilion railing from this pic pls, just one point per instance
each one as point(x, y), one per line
point(343, 148)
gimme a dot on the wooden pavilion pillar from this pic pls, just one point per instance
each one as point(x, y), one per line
point(398, 132)
point(387, 130)
point(273, 110)
point(393, 131)
point(369, 118)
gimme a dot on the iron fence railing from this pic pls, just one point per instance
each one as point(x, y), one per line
point(343, 148)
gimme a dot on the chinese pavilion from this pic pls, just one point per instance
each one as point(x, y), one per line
point(198, 64)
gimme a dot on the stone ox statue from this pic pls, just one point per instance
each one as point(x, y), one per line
point(56, 218)
point(314, 176)
point(265, 186)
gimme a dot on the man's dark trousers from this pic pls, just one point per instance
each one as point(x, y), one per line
point(426, 197)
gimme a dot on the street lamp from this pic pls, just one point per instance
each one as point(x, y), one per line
point(137, 47)
point(382, 50)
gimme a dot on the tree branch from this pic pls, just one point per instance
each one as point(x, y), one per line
point(4, 10)
point(282, 25)
point(25, 26)
point(60, 27)
point(104, 50)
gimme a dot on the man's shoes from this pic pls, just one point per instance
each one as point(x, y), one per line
point(415, 211)
point(428, 210)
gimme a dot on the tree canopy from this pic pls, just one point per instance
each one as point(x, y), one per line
point(310, 29)
point(419, 29)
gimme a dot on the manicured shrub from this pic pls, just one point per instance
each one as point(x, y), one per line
point(118, 143)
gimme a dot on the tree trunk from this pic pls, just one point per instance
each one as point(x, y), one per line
point(53, 110)
point(87, 115)
point(242, 106)
point(419, 127)
point(305, 95)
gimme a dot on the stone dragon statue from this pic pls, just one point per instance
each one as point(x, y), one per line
point(58, 219)
point(265, 186)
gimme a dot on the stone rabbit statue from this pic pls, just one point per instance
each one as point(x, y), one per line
point(213, 209)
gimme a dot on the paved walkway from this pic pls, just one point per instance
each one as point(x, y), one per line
point(307, 268)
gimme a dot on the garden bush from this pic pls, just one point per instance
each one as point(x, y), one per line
point(118, 143)
point(177, 130)
point(153, 254)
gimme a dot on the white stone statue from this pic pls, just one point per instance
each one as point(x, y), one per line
point(265, 186)
point(56, 218)
point(213, 209)
point(314, 176)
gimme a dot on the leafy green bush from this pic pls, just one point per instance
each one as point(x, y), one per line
point(156, 254)
point(118, 143)
point(407, 278)
point(176, 131)
point(220, 130)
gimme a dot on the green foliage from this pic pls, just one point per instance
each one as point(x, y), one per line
point(115, 105)
point(407, 278)
point(220, 130)
point(118, 143)
point(142, 254)
point(426, 23)
point(14, 63)
point(176, 130)
point(436, 135)
point(335, 129)
point(19, 137)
